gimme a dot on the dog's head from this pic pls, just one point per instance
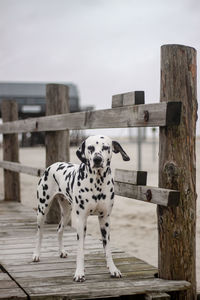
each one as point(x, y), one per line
point(96, 151)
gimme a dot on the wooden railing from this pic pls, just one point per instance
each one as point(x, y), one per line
point(175, 115)
point(147, 115)
point(124, 185)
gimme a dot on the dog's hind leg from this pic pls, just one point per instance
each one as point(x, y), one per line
point(39, 235)
point(65, 218)
point(42, 211)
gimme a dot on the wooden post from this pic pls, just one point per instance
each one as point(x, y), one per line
point(9, 112)
point(57, 142)
point(177, 169)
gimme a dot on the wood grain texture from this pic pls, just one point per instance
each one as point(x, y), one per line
point(164, 197)
point(157, 296)
point(9, 289)
point(131, 98)
point(177, 168)
point(160, 114)
point(12, 293)
point(133, 177)
point(9, 112)
point(51, 278)
point(56, 142)
point(17, 167)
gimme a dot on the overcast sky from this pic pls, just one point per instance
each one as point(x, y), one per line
point(104, 46)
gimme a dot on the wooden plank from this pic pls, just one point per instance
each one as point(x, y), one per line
point(64, 280)
point(17, 167)
point(9, 111)
point(51, 254)
point(3, 275)
point(101, 271)
point(7, 284)
point(68, 272)
point(9, 289)
point(144, 115)
point(157, 296)
point(58, 263)
point(119, 258)
point(51, 245)
point(70, 264)
point(49, 235)
point(13, 293)
point(46, 243)
point(131, 98)
point(133, 177)
point(46, 248)
point(149, 194)
point(112, 288)
point(91, 279)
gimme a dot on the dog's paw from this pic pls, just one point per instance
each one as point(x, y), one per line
point(36, 258)
point(115, 273)
point(79, 276)
point(63, 254)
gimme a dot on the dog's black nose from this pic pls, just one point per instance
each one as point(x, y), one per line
point(97, 160)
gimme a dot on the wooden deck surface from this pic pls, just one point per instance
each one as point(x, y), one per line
point(51, 278)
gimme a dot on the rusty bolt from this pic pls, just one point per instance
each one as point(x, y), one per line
point(146, 115)
point(148, 195)
point(176, 234)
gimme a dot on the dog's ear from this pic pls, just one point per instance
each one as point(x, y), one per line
point(81, 153)
point(118, 148)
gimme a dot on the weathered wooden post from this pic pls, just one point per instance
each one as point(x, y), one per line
point(177, 168)
point(57, 143)
point(9, 112)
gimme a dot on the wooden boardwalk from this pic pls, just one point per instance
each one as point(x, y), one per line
point(51, 278)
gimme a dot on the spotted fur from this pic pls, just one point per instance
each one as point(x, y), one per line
point(88, 189)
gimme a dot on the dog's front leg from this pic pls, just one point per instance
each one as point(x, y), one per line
point(81, 229)
point(105, 232)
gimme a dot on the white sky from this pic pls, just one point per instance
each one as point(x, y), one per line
point(104, 46)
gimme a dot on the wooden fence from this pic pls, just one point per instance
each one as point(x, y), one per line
point(175, 115)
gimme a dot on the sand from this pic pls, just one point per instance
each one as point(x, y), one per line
point(133, 223)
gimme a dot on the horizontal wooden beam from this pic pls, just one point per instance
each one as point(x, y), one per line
point(144, 115)
point(131, 98)
point(154, 195)
point(149, 194)
point(157, 296)
point(17, 167)
point(133, 177)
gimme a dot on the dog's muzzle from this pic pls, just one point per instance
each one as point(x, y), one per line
point(98, 161)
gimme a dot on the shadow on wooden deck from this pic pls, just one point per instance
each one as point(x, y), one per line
point(51, 278)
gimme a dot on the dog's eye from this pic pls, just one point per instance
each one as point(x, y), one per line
point(105, 148)
point(91, 149)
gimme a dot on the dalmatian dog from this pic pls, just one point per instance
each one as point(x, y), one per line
point(88, 189)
